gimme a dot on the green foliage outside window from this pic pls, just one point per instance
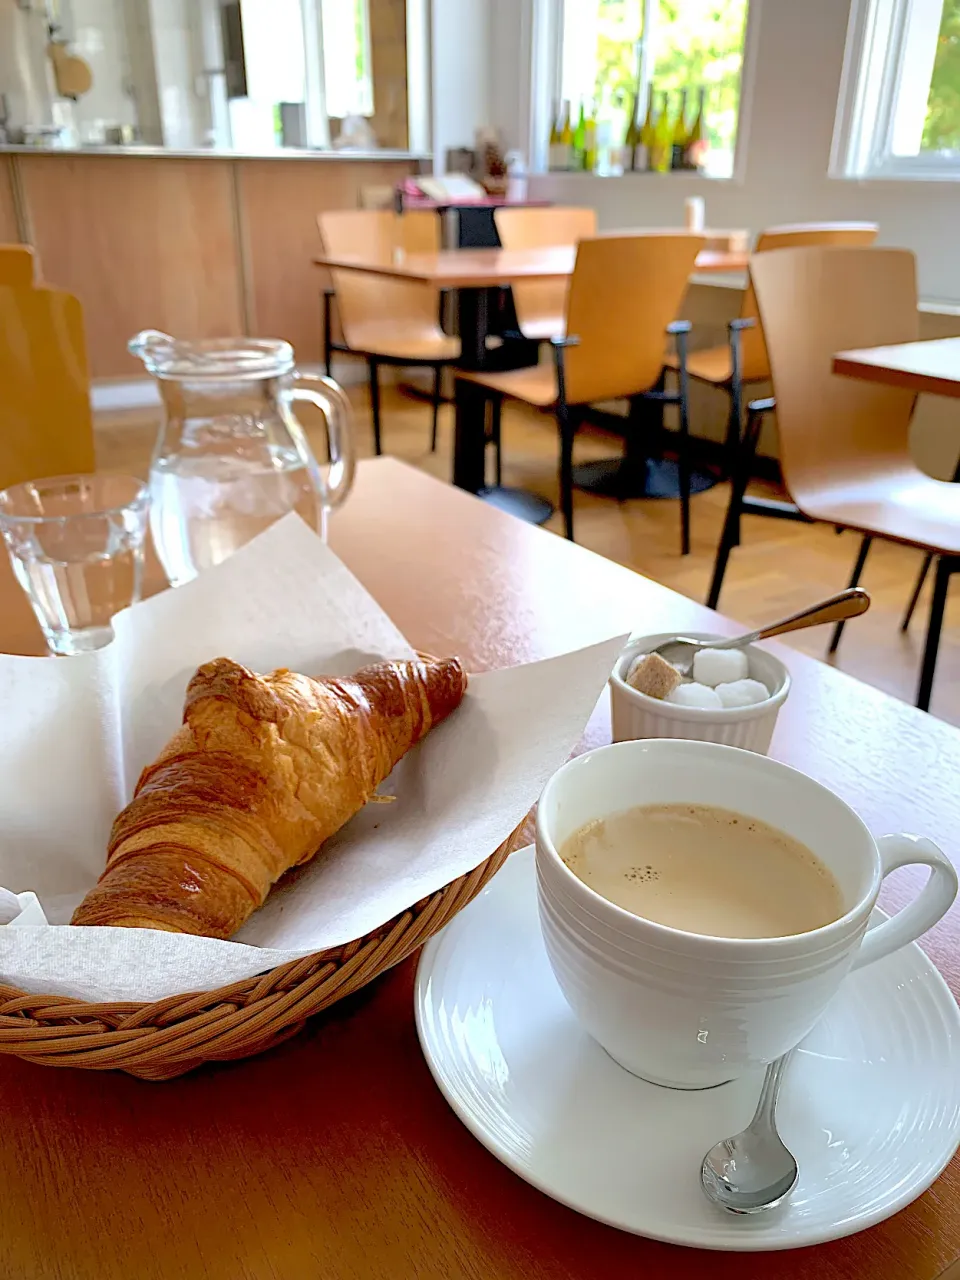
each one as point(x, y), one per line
point(696, 42)
point(941, 130)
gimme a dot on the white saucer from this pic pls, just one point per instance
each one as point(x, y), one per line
point(870, 1105)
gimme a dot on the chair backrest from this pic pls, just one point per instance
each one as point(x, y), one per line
point(815, 302)
point(46, 425)
point(624, 292)
point(755, 363)
point(378, 234)
point(544, 301)
point(17, 266)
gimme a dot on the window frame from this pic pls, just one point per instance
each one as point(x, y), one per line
point(548, 24)
point(870, 95)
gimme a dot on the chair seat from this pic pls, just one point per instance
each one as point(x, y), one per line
point(710, 365)
point(904, 505)
point(400, 341)
point(536, 385)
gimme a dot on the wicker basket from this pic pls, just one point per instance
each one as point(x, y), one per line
point(164, 1039)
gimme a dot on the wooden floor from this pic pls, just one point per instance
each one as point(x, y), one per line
point(779, 568)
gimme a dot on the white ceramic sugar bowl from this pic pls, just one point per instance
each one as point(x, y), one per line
point(636, 715)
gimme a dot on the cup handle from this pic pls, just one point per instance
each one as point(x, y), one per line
point(930, 905)
point(328, 396)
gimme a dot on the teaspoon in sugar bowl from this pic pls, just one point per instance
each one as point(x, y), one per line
point(681, 650)
point(753, 1170)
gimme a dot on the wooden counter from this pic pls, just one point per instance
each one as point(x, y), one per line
point(200, 246)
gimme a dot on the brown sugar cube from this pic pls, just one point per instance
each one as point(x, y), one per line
point(653, 676)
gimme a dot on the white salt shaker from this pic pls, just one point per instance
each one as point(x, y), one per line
point(694, 213)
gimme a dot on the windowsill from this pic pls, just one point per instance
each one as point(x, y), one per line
point(738, 281)
point(672, 175)
point(902, 179)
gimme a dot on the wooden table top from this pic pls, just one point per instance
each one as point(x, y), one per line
point(495, 268)
point(932, 366)
point(335, 1156)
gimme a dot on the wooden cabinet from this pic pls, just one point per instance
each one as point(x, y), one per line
point(200, 246)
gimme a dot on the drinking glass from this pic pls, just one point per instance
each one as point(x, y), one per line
point(76, 545)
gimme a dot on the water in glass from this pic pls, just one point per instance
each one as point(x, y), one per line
point(76, 546)
point(232, 457)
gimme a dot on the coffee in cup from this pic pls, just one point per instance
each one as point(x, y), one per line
point(704, 869)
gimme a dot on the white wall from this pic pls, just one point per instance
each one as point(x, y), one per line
point(462, 71)
point(25, 77)
point(143, 72)
point(178, 57)
point(97, 33)
point(789, 128)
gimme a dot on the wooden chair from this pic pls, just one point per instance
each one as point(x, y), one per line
point(541, 305)
point(844, 444)
point(393, 322)
point(624, 295)
point(743, 360)
point(46, 426)
point(18, 266)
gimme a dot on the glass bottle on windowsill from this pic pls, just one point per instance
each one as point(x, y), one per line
point(696, 146)
point(559, 150)
point(590, 140)
point(662, 149)
point(678, 147)
point(580, 138)
point(565, 151)
point(631, 141)
point(648, 137)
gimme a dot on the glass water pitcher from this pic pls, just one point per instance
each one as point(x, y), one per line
point(231, 456)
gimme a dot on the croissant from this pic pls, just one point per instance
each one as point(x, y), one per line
point(262, 771)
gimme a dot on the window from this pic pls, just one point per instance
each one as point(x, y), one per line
point(346, 58)
point(669, 45)
point(900, 108)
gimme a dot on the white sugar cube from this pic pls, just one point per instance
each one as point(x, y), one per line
point(742, 693)
point(694, 695)
point(720, 666)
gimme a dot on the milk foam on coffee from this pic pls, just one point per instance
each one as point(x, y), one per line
point(705, 870)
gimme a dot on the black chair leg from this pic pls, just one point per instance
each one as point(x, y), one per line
point(496, 414)
point(567, 431)
point(945, 566)
point(730, 536)
point(927, 562)
point(731, 445)
point(854, 581)
point(437, 383)
point(683, 467)
point(375, 404)
point(327, 339)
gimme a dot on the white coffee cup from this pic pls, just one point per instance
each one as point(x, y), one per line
point(690, 1011)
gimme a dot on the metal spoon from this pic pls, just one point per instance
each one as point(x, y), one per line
point(753, 1171)
point(681, 650)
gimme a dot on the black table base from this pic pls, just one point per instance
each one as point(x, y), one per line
point(641, 478)
point(469, 439)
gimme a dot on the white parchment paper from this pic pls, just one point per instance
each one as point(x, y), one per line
point(75, 733)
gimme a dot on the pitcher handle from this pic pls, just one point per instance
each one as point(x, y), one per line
point(329, 397)
point(930, 905)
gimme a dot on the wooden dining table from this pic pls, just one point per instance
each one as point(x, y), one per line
point(335, 1156)
point(932, 366)
point(474, 273)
